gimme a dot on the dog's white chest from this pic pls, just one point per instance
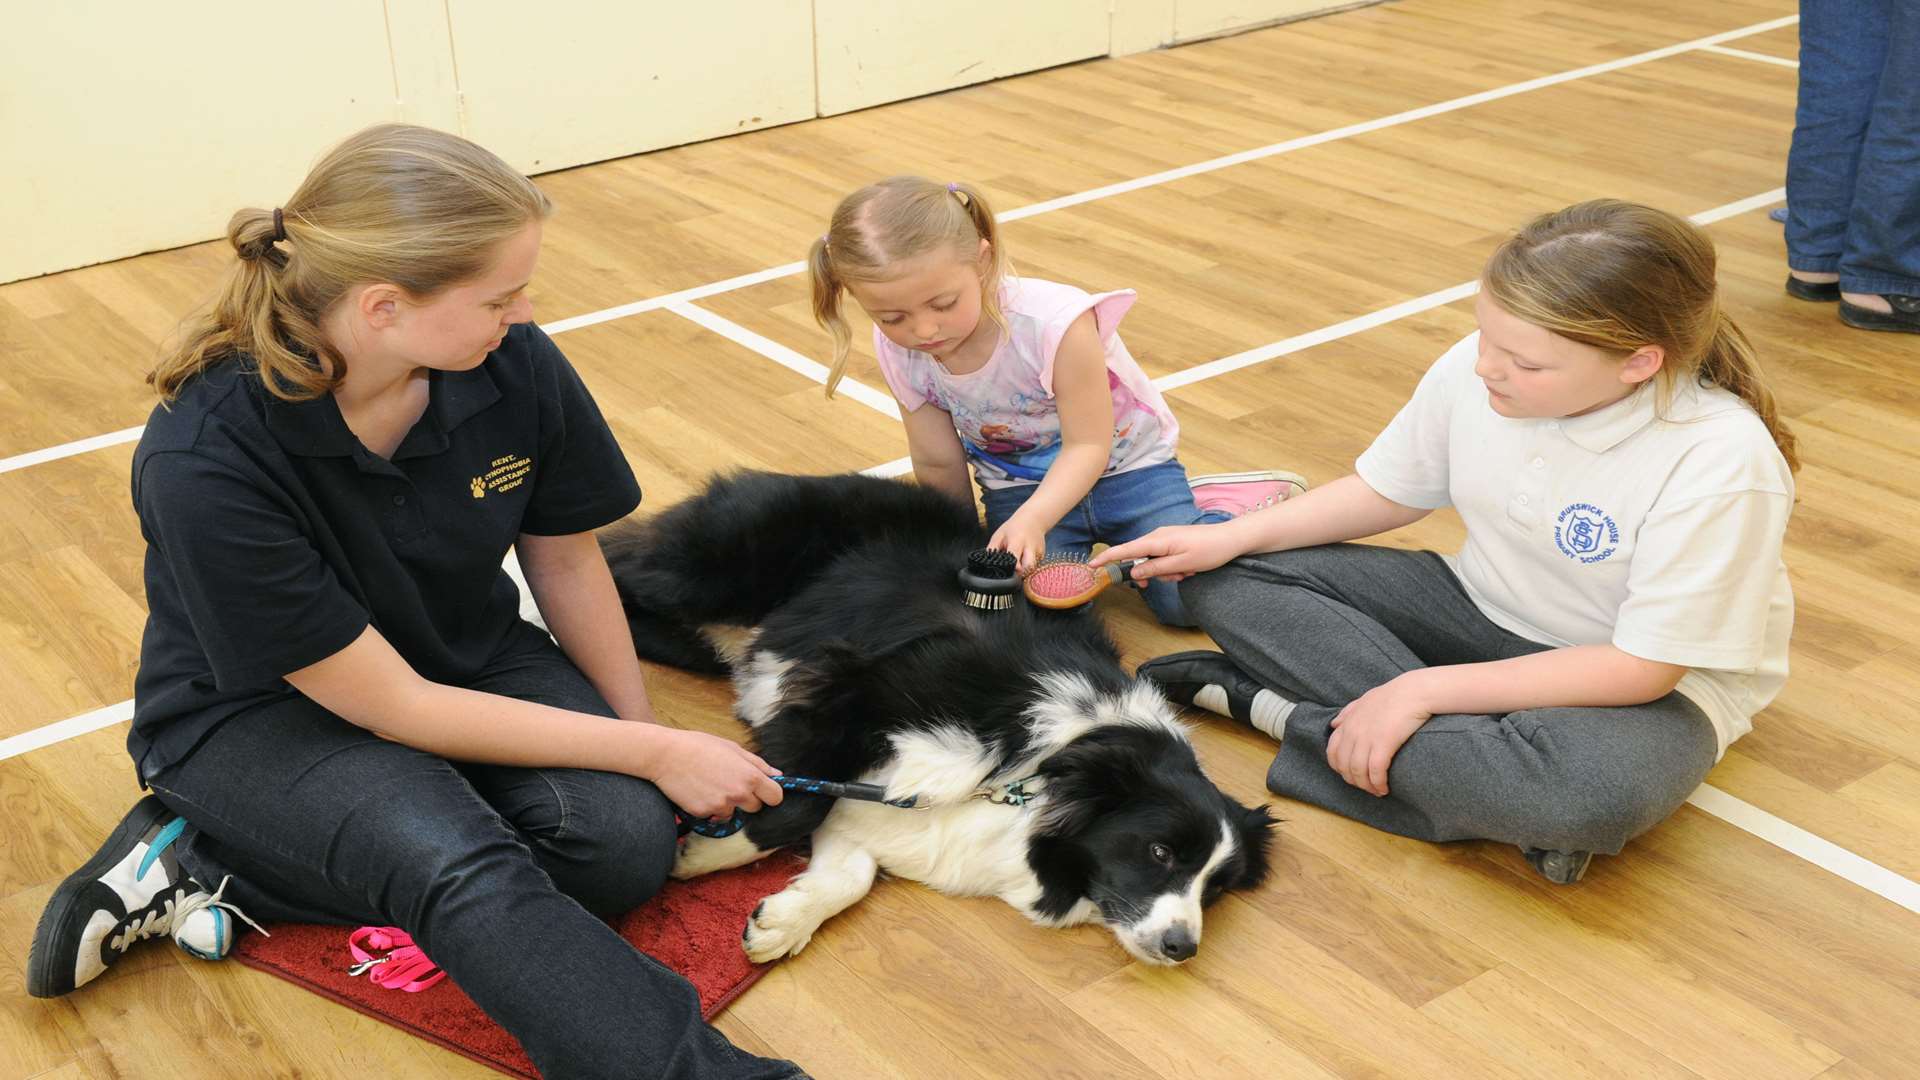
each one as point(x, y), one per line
point(974, 848)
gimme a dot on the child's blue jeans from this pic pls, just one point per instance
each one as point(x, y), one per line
point(1122, 507)
point(1853, 173)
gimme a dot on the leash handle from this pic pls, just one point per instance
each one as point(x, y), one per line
point(714, 828)
point(387, 956)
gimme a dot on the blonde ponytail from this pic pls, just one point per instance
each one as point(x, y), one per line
point(826, 291)
point(400, 204)
point(1731, 364)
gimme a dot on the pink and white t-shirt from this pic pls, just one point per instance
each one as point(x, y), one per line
point(1005, 412)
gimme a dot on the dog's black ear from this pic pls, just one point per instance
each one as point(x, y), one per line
point(1088, 777)
point(1255, 825)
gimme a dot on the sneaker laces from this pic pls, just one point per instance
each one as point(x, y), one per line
point(215, 899)
point(171, 915)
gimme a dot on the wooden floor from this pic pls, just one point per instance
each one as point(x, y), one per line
point(1703, 950)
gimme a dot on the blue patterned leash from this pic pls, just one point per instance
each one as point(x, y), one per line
point(832, 789)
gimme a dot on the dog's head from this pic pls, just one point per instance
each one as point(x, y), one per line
point(1132, 826)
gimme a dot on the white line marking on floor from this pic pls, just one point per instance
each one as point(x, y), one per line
point(1746, 55)
point(72, 727)
point(78, 446)
point(1792, 838)
point(785, 357)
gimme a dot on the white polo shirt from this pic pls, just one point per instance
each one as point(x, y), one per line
point(1658, 535)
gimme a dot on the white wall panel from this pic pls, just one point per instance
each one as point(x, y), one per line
point(129, 127)
point(1194, 19)
point(571, 81)
point(874, 51)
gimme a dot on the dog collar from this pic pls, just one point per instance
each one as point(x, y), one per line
point(1016, 793)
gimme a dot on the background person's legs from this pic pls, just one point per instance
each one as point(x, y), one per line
point(1843, 51)
point(1881, 263)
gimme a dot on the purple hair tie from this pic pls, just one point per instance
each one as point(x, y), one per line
point(951, 186)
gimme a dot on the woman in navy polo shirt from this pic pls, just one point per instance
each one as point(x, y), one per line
point(339, 711)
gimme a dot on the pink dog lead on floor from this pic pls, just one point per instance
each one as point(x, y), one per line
point(401, 965)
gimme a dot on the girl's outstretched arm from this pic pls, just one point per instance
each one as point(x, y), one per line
point(1347, 509)
point(939, 461)
point(1085, 402)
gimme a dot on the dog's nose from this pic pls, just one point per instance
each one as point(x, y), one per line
point(1177, 943)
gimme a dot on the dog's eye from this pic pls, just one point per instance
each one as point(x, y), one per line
point(1162, 854)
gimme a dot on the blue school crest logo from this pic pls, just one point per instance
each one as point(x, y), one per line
point(1586, 533)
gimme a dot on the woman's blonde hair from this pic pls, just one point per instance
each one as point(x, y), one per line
point(1619, 276)
point(398, 204)
point(876, 228)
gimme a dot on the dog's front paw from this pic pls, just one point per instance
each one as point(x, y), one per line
point(781, 926)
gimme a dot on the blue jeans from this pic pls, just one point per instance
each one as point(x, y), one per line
point(1853, 173)
point(501, 874)
point(1122, 507)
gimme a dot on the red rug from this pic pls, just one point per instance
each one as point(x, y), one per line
point(692, 927)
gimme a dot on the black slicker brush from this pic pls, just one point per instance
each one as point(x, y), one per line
point(989, 580)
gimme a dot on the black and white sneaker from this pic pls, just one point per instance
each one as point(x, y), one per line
point(132, 889)
point(1209, 680)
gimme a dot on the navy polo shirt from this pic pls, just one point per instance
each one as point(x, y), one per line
point(274, 537)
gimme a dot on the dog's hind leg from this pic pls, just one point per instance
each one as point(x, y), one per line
point(840, 872)
point(706, 854)
point(766, 831)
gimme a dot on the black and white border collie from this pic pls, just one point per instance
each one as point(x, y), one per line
point(834, 604)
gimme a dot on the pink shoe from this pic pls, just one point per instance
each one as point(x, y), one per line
point(1245, 492)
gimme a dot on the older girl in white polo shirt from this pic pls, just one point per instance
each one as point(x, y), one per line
point(1619, 610)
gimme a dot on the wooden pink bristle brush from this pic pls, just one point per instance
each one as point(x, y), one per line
point(1066, 581)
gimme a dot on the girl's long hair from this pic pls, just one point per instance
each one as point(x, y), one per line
point(1620, 276)
point(399, 204)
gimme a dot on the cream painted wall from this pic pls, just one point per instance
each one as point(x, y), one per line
point(128, 127)
point(588, 80)
point(1139, 25)
point(874, 51)
point(1196, 19)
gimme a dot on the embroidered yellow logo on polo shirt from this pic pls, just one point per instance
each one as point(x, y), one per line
point(503, 474)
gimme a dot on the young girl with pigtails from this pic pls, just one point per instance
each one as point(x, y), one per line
point(1024, 380)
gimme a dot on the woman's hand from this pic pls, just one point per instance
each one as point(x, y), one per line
point(1175, 552)
point(1020, 537)
point(1371, 730)
point(708, 776)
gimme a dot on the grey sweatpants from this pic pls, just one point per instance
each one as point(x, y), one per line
point(1324, 625)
